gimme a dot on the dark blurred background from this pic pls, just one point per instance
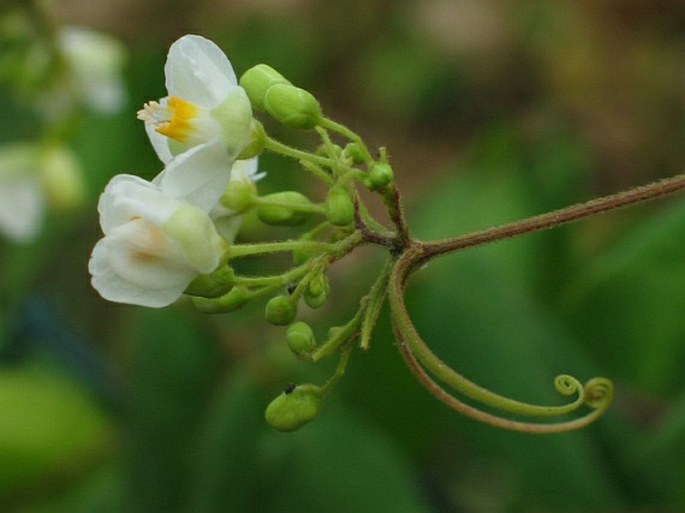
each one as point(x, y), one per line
point(491, 111)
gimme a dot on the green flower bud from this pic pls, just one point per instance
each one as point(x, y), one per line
point(284, 212)
point(296, 406)
point(255, 141)
point(317, 292)
point(339, 207)
point(380, 175)
point(257, 80)
point(292, 106)
point(355, 152)
point(300, 339)
point(332, 150)
point(232, 300)
point(280, 310)
point(212, 285)
point(240, 195)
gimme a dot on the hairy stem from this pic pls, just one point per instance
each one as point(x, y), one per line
point(557, 217)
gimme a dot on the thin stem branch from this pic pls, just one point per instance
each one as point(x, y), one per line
point(557, 217)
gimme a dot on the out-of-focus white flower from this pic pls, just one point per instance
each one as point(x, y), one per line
point(204, 102)
point(158, 235)
point(243, 177)
point(22, 201)
point(33, 177)
point(94, 65)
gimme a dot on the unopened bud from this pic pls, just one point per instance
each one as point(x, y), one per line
point(380, 175)
point(294, 408)
point(257, 80)
point(280, 310)
point(317, 292)
point(284, 211)
point(292, 106)
point(355, 152)
point(240, 195)
point(339, 207)
point(300, 338)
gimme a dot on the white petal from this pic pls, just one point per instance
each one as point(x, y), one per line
point(128, 196)
point(198, 71)
point(121, 289)
point(160, 142)
point(198, 176)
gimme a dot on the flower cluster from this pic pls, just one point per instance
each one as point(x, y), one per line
point(160, 235)
point(176, 234)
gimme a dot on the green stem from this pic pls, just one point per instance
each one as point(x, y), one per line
point(288, 151)
point(556, 218)
point(244, 250)
point(346, 132)
point(417, 355)
point(376, 298)
point(341, 335)
point(339, 369)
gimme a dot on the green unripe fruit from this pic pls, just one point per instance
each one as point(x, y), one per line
point(285, 211)
point(300, 338)
point(292, 106)
point(339, 207)
point(257, 80)
point(232, 300)
point(380, 175)
point(296, 406)
point(280, 310)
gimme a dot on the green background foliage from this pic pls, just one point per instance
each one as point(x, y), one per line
point(491, 111)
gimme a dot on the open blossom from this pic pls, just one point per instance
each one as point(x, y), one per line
point(204, 102)
point(95, 63)
point(158, 235)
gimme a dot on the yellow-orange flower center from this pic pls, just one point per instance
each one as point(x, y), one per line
point(175, 120)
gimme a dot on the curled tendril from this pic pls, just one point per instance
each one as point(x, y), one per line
point(596, 394)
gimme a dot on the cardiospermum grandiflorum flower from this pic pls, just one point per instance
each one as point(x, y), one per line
point(158, 235)
point(204, 102)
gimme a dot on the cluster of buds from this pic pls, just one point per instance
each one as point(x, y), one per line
point(175, 235)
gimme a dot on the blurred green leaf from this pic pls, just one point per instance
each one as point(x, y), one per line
point(50, 432)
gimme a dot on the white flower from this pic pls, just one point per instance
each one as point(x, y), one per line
point(22, 201)
point(227, 221)
point(158, 235)
point(94, 63)
point(204, 103)
point(32, 177)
